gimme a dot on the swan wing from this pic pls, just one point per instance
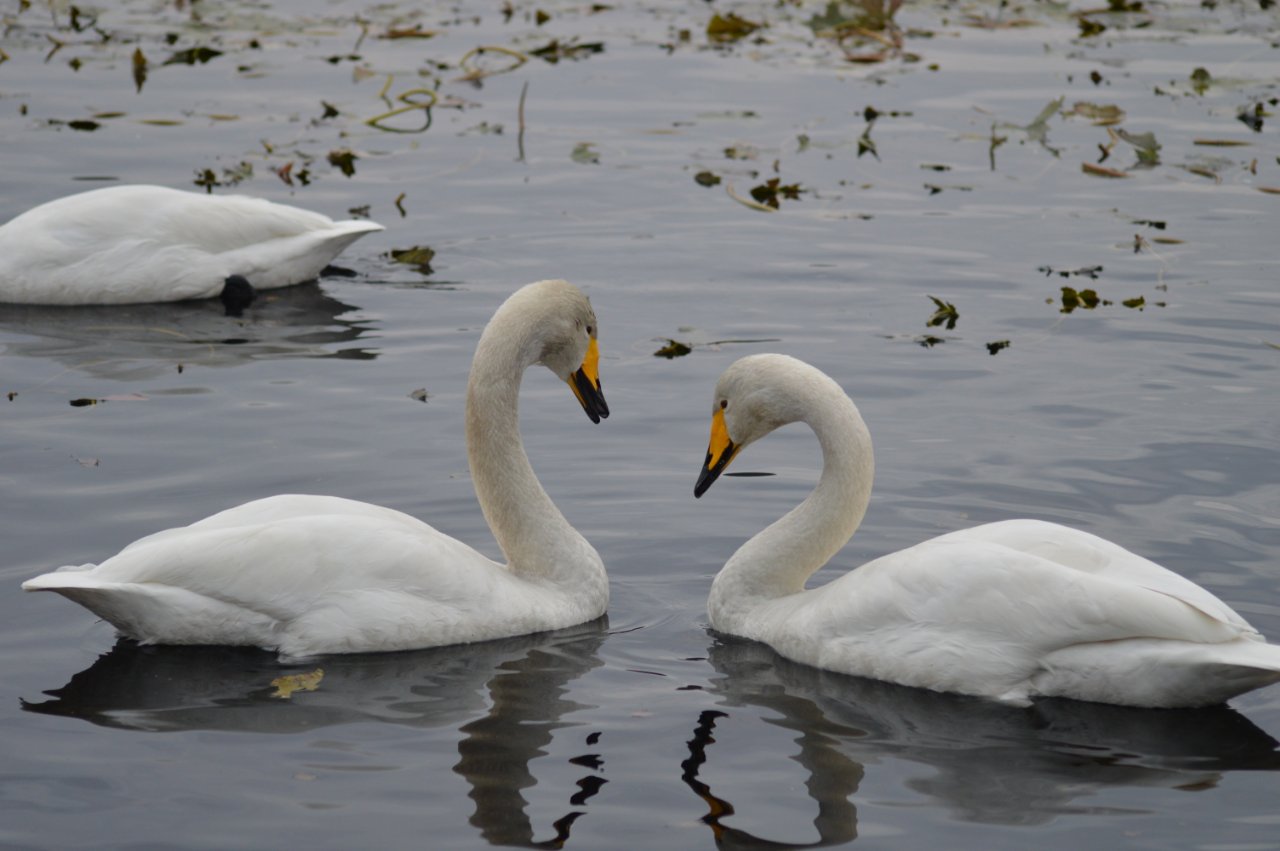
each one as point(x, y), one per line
point(303, 574)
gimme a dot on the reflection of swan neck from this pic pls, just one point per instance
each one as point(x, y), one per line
point(533, 534)
point(777, 561)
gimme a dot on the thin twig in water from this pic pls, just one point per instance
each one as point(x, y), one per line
point(524, 90)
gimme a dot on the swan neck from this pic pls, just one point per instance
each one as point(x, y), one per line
point(779, 560)
point(535, 537)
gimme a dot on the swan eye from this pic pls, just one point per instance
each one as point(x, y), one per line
point(724, 403)
point(590, 331)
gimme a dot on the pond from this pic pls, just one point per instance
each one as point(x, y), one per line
point(1112, 365)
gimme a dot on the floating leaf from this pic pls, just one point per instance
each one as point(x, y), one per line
point(724, 29)
point(555, 50)
point(83, 125)
point(1138, 302)
point(287, 685)
point(1200, 80)
point(420, 394)
point(1270, 190)
point(771, 190)
point(1145, 144)
point(585, 154)
point(344, 159)
point(996, 346)
point(419, 256)
point(1086, 299)
point(83, 402)
point(193, 55)
point(415, 31)
point(706, 178)
point(139, 68)
point(1222, 143)
point(673, 349)
point(929, 341)
point(946, 313)
point(1101, 171)
point(1090, 27)
point(1252, 118)
point(1100, 115)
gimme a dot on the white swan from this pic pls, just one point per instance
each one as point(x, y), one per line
point(1010, 610)
point(131, 244)
point(308, 575)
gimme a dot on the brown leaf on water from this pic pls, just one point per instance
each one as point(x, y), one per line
point(673, 349)
point(1221, 143)
point(416, 31)
point(344, 159)
point(419, 256)
point(139, 68)
point(1270, 190)
point(288, 684)
point(1101, 171)
point(725, 29)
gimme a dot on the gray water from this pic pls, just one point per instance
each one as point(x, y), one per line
point(1152, 425)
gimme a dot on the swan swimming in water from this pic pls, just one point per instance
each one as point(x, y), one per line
point(133, 244)
point(1010, 611)
point(308, 575)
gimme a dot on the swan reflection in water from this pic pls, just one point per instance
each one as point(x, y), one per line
point(508, 696)
point(988, 763)
point(135, 341)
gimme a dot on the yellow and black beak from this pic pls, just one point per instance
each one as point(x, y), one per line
point(585, 384)
point(720, 451)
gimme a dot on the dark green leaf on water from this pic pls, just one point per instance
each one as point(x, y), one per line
point(741, 152)
point(330, 111)
point(420, 394)
point(419, 256)
point(1138, 302)
point(844, 18)
point(725, 29)
point(1200, 80)
point(540, 17)
point(1252, 118)
point(935, 167)
point(1085, 299)
point(83, 403)
point(206, 178)
point(865, 145)
point(83, 125)
point(192, 56)
point(139, 69)
point(706, 178)
point(12, 394)
point(673, 349)
point(555, 50)
point(1090, 27)
point(929, 341)
point(1151, 223)
point(773, 189)
point(344, 160)
point(996, 346)
point(945, 314)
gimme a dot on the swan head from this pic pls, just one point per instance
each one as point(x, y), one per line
point(754, 396)
point(565, 339)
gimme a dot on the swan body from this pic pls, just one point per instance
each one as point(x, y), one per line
point(308, 575)
point(1010, 611)
point(132, 244)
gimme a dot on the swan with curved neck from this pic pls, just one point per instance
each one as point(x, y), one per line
point(1010, 611)
point(308, 575)
point(134, 244)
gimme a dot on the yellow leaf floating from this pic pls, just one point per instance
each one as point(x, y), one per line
point(287, 685)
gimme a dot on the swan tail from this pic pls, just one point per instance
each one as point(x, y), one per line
point(159, 614)
point(289, 260)
point(1159, 673)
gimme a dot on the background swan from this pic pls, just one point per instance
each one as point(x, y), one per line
point(307, 575)
point(131, 244)
point(1010, 610)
